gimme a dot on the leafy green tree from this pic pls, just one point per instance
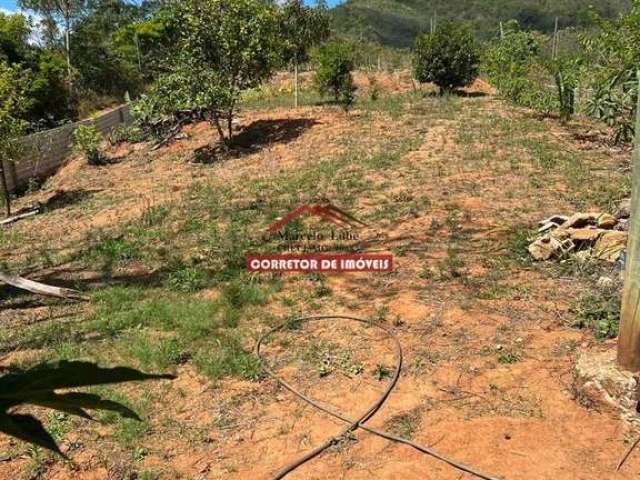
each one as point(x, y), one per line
point(613, 55)
point(14, 37)
point(37, 386)
point(146, 44)
point(449, 57)
point(107, 59)
point(509, 61)
point(13, 102)
point(48, 91)
point(225, 47)
point(333, 72)
point(302, 28)
point(60, 12)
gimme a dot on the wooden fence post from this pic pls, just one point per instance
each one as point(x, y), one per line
point(5, 187)
point(629, 338)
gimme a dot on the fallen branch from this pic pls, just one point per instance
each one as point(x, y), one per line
point(173, 133)
point(24, 213)
point(626, 456)
point(40, 288)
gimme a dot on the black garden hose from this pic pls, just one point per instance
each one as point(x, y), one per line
point(360, 423)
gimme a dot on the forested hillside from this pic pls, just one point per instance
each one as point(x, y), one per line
point(396, 22)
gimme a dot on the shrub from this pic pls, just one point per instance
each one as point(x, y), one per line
point(301, 28)
point(514, 65)
point(565, 73)
point(449, 57)
point(333, 74)
point(226, 47)
point(507, 63)
point(87, 140)
point(125, 133)
point(613, 65)
point(13, 102)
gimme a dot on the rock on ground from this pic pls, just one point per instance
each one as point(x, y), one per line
point(598, 382)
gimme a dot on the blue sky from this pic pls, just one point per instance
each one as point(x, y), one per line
point(7, 4)
point(11, 4)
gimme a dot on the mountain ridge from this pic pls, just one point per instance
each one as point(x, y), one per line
point(396, 22)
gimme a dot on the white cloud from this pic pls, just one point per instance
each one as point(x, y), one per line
point(36, 33)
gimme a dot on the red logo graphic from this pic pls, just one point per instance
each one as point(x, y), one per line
point(314, 262)
point(326, 212)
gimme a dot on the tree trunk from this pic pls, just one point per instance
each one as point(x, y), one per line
point(137, 42)
point(216, 122)
point(554, 48)
point(629, 338)
point(295, 84)
point(5, 189)
point(67, 47)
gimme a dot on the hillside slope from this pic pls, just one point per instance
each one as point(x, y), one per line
point(396, 22)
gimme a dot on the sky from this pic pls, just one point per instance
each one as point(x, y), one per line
point(7, 5)
point(10, 5)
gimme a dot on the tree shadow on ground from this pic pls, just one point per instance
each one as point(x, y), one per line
point(65, 198)
point(456, 92)
point(256, 137)
point(465, 94)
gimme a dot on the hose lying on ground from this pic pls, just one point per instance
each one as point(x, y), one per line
point(360, 423)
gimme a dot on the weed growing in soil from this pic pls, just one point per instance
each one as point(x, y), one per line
point(517, 243)
point(405, 424)
point(507, 358)
point(599, 311)
point(381, 372)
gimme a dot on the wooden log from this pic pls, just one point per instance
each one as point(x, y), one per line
point(40, 288)
point(20, 216)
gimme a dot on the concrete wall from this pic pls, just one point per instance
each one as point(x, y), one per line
point(45, 152)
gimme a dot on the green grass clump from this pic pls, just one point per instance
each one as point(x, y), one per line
point(111, 252)
point(187, 279)
point(599, 311)
point(226, 357)
point(507, 358)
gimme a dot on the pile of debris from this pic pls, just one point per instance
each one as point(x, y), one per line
point(599, 235)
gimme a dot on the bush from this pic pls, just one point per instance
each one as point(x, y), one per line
point(612, 55)
point(13, 101)
point(333, 74)
point(87, 140)
point(516, 67)
point(507, 63)
point(449, 57)
point(226, 47)
point(125, 133)
point(566, 72)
